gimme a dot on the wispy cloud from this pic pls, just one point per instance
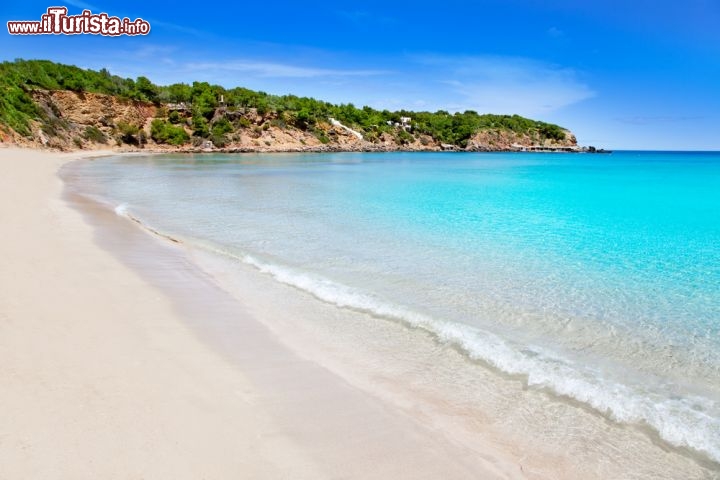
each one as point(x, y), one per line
point(487, 84)
point(178, 28)
point(270, 69)
point(555, 32)
point(509, 84)
point(153, 51)
point(650, 120)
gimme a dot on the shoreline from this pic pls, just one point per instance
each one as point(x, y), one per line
point(345, 341)
point(299, 380)
point(353, 148)
point(103, 376)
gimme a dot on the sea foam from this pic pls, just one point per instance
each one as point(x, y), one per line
point(680, 422)
point(122, 210)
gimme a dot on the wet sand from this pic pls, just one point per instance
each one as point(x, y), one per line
point(133, 364)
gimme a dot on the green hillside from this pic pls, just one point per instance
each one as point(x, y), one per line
point(20, 77)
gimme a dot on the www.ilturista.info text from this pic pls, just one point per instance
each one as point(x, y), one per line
point(57, 22)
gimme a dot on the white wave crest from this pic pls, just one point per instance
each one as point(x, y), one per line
point(682, 422)
point(122, 210)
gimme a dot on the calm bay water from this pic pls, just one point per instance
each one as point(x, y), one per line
point(596, 277)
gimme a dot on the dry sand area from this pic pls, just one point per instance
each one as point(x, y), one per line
point(102, 374)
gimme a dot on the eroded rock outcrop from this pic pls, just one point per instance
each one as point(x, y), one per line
point(84, 120)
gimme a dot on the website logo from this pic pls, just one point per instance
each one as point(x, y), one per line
point(57, 22)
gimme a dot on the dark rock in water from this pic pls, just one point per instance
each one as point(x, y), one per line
point(591, 149)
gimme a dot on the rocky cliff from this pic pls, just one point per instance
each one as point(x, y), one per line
point(77, 120)
point(505, 140)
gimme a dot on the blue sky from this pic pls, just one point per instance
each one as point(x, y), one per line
point(620, 74)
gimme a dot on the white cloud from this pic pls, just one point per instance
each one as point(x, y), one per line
point(486, 84)
point(655, 119)
point(508, 84)
point(153, 51)
point(270, 69)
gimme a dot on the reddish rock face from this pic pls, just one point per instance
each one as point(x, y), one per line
point(493, 140)
point(70, 115)
point(95, 109)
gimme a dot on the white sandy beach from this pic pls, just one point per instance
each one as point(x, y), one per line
point(101, 376)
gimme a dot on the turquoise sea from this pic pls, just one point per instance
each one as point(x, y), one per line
point(593, 277)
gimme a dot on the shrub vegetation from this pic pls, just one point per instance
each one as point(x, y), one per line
point(20, 77)
point(165, 132)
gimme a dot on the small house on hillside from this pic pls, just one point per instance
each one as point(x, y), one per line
point(179, 107)
point(404, 123)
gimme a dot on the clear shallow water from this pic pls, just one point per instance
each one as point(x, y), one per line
point(596, 277)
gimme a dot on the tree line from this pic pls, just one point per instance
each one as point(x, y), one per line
point(20, 77)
